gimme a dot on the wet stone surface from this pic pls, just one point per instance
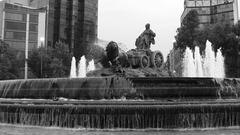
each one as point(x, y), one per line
point(25, 130)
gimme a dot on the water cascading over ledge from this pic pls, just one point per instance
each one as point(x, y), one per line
point(78, 88)
point(117, 87)
point(157, 103)
point(123, 115)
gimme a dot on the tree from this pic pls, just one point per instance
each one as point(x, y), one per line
point(39, 61)
point(95, 52)
point(236, 29)
point(224, 37)
point(217, 36)
point(62, 53)
point(188, 32)
point(9, 63)
point(51, 63)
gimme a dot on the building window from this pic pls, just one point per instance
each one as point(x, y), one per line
point(9, 35)
point(33, 37)
point(33, 27)
point(16, 17)
point(15, 35)
point(34, 18)
point(16, 26)
point(10, 6)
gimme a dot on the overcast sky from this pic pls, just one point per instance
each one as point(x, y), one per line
point(124, 20)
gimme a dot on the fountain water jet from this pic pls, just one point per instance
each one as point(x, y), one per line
point(198, 62)
point(73, 73)
point(82, 68)
point(209, 66)
point(209, 61)
point(220, 70)
point(91, 66)
point(189, 66)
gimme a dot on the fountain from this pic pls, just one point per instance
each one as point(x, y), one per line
point(82, 69)
point(207, 66)
point(73, 73)
point(91, 66)
point(198, 62)
point(189, 66)
point(119, 102)
point(220, 70)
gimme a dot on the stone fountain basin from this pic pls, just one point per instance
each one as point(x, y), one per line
point(124, 115)
point(121, 103)
point(98, 88)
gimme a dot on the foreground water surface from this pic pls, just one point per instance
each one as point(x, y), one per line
point(29, 130)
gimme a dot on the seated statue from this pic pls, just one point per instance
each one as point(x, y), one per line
point(145, 40)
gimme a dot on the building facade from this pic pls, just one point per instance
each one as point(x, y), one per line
point(213, 11)
point(71, 21)
point(18, 2)
point(21, 24)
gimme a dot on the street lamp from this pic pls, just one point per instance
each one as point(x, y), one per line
point(42, 45)
point(26, 47)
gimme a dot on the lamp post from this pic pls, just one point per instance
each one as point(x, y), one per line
point(42, 45)
point(26, 47)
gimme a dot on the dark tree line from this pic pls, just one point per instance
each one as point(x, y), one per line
point(51, 62)
point(224, 36)
point(9, 62)
point(188, 32)
point(43, 62)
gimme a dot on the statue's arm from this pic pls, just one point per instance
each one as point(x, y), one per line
point(152, 33)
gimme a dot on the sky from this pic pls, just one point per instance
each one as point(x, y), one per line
point(124, 20)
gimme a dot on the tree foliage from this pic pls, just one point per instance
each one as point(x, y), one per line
point(9, 62)
point(51, 63)
point(222, 36)
point(226, 38)
point(188, 32)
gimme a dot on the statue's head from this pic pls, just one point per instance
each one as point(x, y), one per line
point(147, 26)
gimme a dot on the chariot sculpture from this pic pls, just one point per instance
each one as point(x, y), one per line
point(141, 57)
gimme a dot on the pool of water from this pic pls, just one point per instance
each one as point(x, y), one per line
point(30, 130)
